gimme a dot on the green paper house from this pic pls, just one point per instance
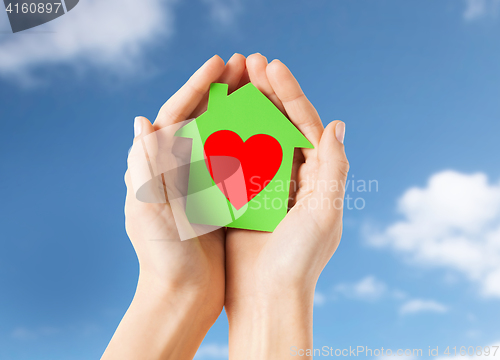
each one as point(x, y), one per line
point(247, 128)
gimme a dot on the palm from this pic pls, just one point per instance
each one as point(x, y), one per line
point(256, 258)
point(304, 239)
point(152, 228)
point(154, 234)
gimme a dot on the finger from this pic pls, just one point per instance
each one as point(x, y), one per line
point(245, 79)
point(232, 74)
point(141, 164)
point(187, 98)
point(298, 162)
point(235, 68)
point(256, 66)
point(142, 127)
point(300, 111)
point(332, 172)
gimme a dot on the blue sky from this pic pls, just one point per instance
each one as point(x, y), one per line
point(416, 82)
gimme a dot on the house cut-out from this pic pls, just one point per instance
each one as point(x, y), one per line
point(247, 146)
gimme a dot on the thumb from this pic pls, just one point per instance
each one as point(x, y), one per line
point(333, 168)
point(142, 128)
point(145, 143)
point(141, 160)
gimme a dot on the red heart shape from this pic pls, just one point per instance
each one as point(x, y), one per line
point(240, 169)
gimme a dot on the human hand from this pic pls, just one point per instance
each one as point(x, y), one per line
point(197, 263)
point(271, 277)
point(180, 292)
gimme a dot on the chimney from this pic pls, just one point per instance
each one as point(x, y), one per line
point(218, 92)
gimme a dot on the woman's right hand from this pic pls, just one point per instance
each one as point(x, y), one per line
point(181, 285)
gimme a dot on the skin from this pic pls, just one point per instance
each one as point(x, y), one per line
point(265, 280)
point(271, 277)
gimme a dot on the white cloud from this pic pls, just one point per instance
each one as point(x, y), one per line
point(22, 333)
point(368, 288)
point(111, 34)
point(224, 12)
point(473, 333)
point(319, 298)
point(398, 294)
point(212, 351)
point(476, 9)
point(419, 305)
point(453, 223)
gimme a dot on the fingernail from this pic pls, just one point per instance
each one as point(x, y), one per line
point(340, 131)
point(137, 126)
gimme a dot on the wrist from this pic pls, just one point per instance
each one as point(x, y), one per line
point(157, 292)
point(267, 325)
point(161, 322)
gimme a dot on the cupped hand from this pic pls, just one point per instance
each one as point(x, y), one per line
point(195, 265)
point(289, 260)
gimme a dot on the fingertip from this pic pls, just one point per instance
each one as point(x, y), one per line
point(137, 126)
point(332, 139)
point(233, 73)
point(215, 63)
point(236, 57)
point(256, 66)
point(274, 65)
point(142, 126)
point(340, 131)
point(331, 125)
point(256, 56)
point(217, 58)
point(331, 151)
point(335, 130)
point(256, 60)
point(237, 60)
point(278, 71)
